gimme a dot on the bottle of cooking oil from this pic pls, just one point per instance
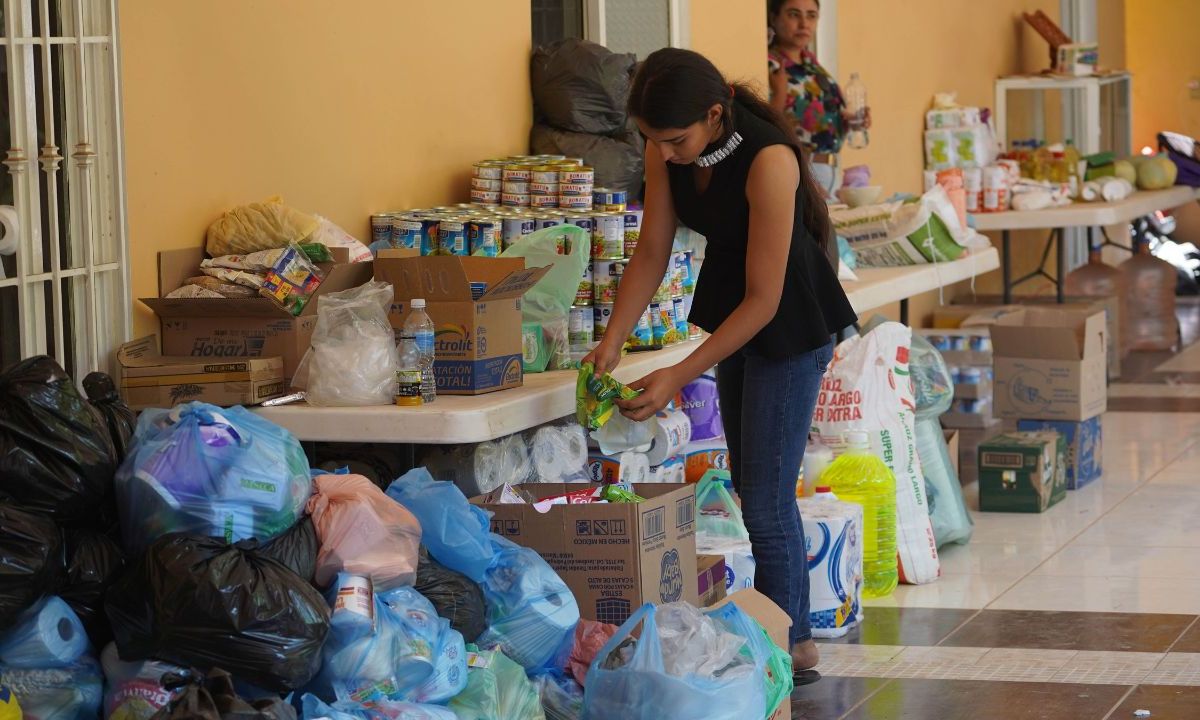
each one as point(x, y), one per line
point(860, 477)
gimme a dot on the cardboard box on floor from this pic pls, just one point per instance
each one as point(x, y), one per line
point(1022, 472)
point(969, 441)
point(615, 557)
point(1049, 364)
point(225, 328)
point(1085, 453)
point(710, 578)
point(478, 346)
point(149, 379)
point(774, 620)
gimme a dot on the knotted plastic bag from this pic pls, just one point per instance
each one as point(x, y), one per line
point(214, 697)
point(204, 470)
point(455, 596)
point(590, 636)
point(364, 532)
point(102, 393)
point(258, 226)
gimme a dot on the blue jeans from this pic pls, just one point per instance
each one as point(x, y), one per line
point(773, 402)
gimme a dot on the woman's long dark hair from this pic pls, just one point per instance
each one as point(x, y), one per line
point(675, 88)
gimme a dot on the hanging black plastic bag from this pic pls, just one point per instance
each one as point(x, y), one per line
point(94, 562)
point(581, 86)
point(619, 160)
point(102, 392)
point(197, 602)
point(455, 596)
point(56, 453)
point(296, 549)
point(215, 698)
point(31, 560)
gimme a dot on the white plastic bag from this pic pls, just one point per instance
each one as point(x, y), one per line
point(353, 359)
point(331, 235)
point(868, 387)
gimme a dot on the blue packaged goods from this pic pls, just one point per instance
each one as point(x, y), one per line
point(31, 548)
point(452, 237)
point(406, 232)
point(204, 470)
point(833, 541)
point(699, 400)
point(71, 693)
point(47, 635)
point(497, 689)
point(199, 602)
point(454, 531)
point(1085, 454)
point(430, 243)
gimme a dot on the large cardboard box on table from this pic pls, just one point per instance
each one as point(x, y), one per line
point(615, 557)
point(774, 620)
point(478, 342)
point(150, 380)
point(1050, 364)
point(1085, 455)
point(219, 329)
point(1022, 472)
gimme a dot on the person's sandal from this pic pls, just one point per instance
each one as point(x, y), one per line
point(800, 678)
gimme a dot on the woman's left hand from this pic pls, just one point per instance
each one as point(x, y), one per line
point(657, 389)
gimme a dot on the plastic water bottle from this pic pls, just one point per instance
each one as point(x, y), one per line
point(409, 377)
point(855, 95)
point(824, 492)
point(862, 478)
point(420, 326)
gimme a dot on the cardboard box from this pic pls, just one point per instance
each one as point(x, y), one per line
point(1050, 365)
point(981, 390)
point(1022, 472)
point(150, 380)
point(959, 419)
point(774, 620)
point(236, 328)
point(615, 557)
point(710, 578)
point(952, 447)
point(478, 346)
point(1085, 454)
point(969, 440)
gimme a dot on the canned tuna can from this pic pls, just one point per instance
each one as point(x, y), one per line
point(580, 175)
point(587, 222)
point(681, 315)
point(429, 235)
point(540, 188)
point(572, 161)
point(381, 227)
point(545, 174)
point(546, 220)
point(513, 228)
point(586, 292)
point(606, 277)
point(642, 335)
point(662, 322)
point(602, 196)
point(481, 237)
point(489, 170)
point(514, 200)
point(633, 230)
point(517, 173)
point(575, 202)
point(694, 332)
point(580, 326)
point(581, 189)
point(486, 184)
point(515, 188)
point(601, 314)
point(543, 201)
point(619, 197)
point(406, 232)
point(488, 197)
point(608, 237)
point(452, 237)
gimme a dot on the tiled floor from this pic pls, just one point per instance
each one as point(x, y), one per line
point(1090, 610)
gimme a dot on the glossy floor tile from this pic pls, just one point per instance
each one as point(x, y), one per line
point(948, 591)
point(1077, 559)
point(1164, 702)
point(898, 626)
point(1131, 632)
point(832, 697)
point(915, 699)
point(1102, 594)
point(1189, 642)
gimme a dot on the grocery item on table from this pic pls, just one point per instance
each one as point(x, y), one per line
point(352, 360)
point(292, 281)
point(833, 534)
point(701, 456)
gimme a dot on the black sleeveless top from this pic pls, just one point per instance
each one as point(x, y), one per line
point(813, 306)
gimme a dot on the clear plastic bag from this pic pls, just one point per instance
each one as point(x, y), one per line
point(134, 690)
point(562, 697)
point(353, 359)
point(497, 689)
point(312, 708)
point(454, 531)
point(567, 249)
point(71, 693)
point(364, 532)
point(204, 470)
point(47, 635)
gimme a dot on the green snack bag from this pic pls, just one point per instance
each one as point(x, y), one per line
point(595, 397)
point(316, 252)
point(618, 494)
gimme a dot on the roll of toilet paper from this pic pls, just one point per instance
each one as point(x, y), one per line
point(503, 461)
point(47, 635)
point(634, 469)
point(559, 453)
point(673, 433)
point(11, 227)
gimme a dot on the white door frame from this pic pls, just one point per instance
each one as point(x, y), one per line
point(679, 13)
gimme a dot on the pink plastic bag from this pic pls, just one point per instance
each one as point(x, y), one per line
point(363, 532)
point(590, 637)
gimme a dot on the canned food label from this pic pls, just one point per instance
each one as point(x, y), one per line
point(575, 189)
point(643, 335)
point(606, 277)
point(541, 188)
point(542, 201)
point(601, 315)
point(608, 237)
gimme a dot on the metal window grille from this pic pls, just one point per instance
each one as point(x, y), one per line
point(64, 286)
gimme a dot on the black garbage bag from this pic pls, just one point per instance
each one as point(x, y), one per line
point(94, 562)
point(121, 421)
point(619, 160)
point(296, 549)
point(198, 602)
point(213, 697)
point(31, 560)
point(56, 453)
point(454, 595)
point(581, 87)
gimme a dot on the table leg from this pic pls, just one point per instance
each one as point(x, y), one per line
point(1006, 266)
point(904, 311)
point(1060, 279)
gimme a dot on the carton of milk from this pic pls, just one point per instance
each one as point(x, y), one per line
point(833, 538)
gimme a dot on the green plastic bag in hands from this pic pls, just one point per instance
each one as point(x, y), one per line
point(595, 397)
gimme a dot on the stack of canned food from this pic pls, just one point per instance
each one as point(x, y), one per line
point(538, 182)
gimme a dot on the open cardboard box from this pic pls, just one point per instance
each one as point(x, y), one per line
point(235, 328)
point(151, 380)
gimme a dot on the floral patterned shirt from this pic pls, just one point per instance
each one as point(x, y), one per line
point(814, 102)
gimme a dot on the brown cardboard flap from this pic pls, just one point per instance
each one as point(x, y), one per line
point(760, 607)
point(515, 285)
point(207, 308)
point(1042, 334)
point(448, 278)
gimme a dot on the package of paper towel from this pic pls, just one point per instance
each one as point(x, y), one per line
point(833, 539)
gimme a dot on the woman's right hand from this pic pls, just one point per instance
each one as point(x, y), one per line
point(605, 357)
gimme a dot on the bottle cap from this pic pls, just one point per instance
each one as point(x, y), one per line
point(823, 489)
point(418, 303)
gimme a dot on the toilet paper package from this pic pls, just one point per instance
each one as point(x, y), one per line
point(940, 150)
point(833, 540)
point(481, 468)
point(700, 457)
point(47, 635)
point(973, 146)
point(560, 454)
point(670, 471)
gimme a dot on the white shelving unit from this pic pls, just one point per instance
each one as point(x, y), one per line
point(1096, 111)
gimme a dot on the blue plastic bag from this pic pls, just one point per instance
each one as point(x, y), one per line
point(47, 635)
point(532, 613)
point(210, 471)
point(312, 708)
point(71, 693)
point(640, 688)
point(453, 530)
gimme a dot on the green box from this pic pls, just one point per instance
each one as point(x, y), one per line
point(1022, 472)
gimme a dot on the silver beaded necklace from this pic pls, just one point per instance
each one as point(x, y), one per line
point(716, 156)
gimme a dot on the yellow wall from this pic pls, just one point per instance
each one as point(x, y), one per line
point(734, 36)
point(1162, 52)
point(342, 111)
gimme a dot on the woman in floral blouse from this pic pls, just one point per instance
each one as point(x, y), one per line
point(802, 89)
